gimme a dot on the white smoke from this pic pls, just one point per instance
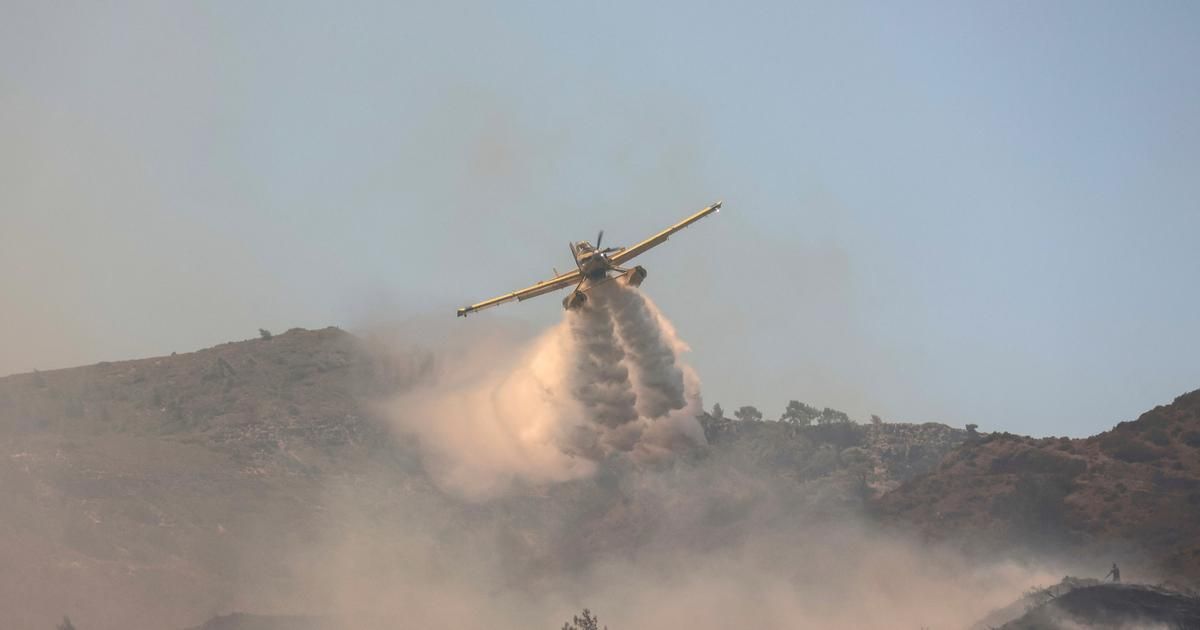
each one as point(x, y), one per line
point(606, 381)
point(495, 416)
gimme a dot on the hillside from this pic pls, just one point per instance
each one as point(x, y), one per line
point(170, 484)
point(256, 399)
point(1130, 494)
point(264, 476)
point(197, 484)
point(877, 457)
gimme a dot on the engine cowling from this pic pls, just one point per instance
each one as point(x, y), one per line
point(634, 277)
point(576, 299)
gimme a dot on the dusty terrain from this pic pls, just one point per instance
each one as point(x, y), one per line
point(259, 476)
point(173, 482)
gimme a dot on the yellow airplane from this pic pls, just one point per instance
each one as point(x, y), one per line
point(592, 268)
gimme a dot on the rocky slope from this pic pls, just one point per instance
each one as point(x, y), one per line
point(1130, 494)
point(148, 493)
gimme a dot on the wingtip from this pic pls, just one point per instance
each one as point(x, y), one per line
point(718, 205)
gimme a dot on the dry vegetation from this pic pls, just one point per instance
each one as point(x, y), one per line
point(1132, 492)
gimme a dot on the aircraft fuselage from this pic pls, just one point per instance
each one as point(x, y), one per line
point(593, 264)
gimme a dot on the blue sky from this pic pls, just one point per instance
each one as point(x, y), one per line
point(934, 211)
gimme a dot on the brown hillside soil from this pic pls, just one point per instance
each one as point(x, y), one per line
point(1138, 483)
point(149, 493)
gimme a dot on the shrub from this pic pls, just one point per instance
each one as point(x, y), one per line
point(843, 435)
point(1158, 436)
point(1041, 462)
point(1036, 504)
point(831, 416)
point(799, 413)
point(748, 413)
point(584, 621)
point(1128, 448)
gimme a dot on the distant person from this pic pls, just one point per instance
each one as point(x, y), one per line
point(1115, 572)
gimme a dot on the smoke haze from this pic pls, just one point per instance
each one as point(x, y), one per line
point(812, 573)
point(572, 472)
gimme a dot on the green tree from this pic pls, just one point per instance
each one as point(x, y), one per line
point(799, 413)
point(718, 413)
point(66, 624)
point(832, 416)
point(748, 413)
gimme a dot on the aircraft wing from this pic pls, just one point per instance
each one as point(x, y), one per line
point(622, 256)
point(541, 288)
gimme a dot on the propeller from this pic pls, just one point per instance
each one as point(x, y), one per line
point(600, 237)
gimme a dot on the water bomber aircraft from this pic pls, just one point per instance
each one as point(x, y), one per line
point(592, 267)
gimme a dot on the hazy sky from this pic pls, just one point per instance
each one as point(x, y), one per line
point(985, 213)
